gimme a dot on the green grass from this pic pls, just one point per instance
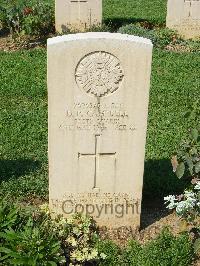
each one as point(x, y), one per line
point(23, 120)
point(128, 11)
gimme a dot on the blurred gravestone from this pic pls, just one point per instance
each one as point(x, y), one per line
point(77, 15)
point(184, 16)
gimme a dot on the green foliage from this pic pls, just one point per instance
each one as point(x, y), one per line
point(159, 37)
point(40, 20)
point(165, 250)
point(26, 237)
point(8, 215)
point(132, 253)
point(112, 252)
point(11, 14)
point(31, 17)
point(187, 159)
point(168, 250)
point(134, 29)
point(32, 245)
point(197, 245)
point(78, 237)
point(30, 237)
point(165, 36)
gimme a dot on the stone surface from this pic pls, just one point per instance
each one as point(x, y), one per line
point(98, 87)
point(184, 16)
point(77, 15)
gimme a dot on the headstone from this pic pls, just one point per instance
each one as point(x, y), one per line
point(98, 87)
point(184, 16)
point(77, 15)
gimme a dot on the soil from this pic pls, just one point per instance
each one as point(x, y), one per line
point(152, 223)
point(9, 44)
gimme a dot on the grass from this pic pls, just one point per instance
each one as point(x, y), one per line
point(120, 12)
point(23, 120)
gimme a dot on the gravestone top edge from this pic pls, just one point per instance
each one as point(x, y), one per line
point(98, 35)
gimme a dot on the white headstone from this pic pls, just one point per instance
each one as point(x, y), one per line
point(184, 16)
point(77, 15)
point(98, 87)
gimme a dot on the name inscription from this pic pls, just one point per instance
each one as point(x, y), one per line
point(97, 116)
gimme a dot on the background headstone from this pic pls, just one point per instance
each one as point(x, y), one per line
point(184, 16)
point(98, 87)
point(77, 15)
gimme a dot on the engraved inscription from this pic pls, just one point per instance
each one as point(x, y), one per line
point(98, 205)
point(96, 198)
point(99, 74)
point(97, 117)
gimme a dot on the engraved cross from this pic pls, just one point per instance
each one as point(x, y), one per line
point(80, 5)
point(190, 6)
point(96, 155)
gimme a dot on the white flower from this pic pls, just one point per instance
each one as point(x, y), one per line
point(71, 240)
point(182, 207)
point(77, 255)
point(70, 220)
point(94, 253)
point(197, 187)
point(171, 200)
point(103, 256)
point(189, 194)
point(45, 208)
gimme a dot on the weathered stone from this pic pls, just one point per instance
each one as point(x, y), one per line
point(98, 86)
point(77, 15)
point(184, 16)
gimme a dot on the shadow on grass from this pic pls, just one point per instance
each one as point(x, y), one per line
point(17, 168)
point(159, 181)
point(116, 23)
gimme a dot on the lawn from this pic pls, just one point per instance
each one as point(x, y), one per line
point(128, 11)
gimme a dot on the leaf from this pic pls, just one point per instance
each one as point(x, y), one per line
point(194, 134)
point(197, 245)
point(4, 257)
point(183, 225)
point(190, 164)
point(5, 250)
point(194, 151)
point(174, 163)
point(180, 170)
point(52, 263)
point(197, 167)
